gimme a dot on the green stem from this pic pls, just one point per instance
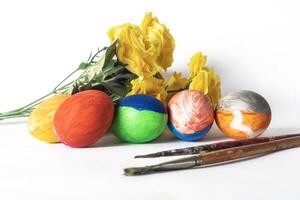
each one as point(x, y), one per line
point(12, 117)
point(110, 79)
point(28, 105)
point(66, 78)
point(99, 51)
point(16, 115)
point(24, 111)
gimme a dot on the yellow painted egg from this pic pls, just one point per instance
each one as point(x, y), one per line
point(243, 114)
point(40, 121)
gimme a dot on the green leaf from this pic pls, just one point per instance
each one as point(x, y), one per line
point(84, 65)
point(106, 74)
point(110, 53)
point(127, 76)
point(116, 88)
point(109, 69)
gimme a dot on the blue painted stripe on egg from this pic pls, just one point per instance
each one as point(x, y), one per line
point(189, 137)
point(143, 102)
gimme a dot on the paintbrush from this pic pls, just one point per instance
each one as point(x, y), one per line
point(218, 156)
point(214, 146)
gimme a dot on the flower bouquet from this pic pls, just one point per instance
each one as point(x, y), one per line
point(134, 63)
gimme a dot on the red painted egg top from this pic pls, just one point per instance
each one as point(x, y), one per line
point(84, 118)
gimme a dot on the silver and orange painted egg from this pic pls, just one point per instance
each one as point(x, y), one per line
point(243, 114)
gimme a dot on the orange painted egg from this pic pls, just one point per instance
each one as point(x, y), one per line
point(191, 115)
point(243, 114)
point(40, 121)
point(84, 118)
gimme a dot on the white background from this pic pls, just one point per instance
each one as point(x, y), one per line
point(253, 45)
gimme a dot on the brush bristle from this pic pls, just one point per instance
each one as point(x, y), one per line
point(137, 171)
point(152, 155)
point(129, 171)
point(143, 156)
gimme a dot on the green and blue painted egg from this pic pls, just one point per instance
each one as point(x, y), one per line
point(139, 119)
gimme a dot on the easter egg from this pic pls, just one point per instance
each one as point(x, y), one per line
point(243, 114)
point(139, 119)
point(191, 115)
point(84, 118)
point(40, 121)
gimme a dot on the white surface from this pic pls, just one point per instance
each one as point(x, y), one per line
point(251, 44)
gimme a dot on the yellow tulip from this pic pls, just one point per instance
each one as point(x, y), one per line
point(196, 63)
point(132, 51)
point(204, 79)
point(150, 86)
point(177, 82)
point(158, 40)
point(147, 50)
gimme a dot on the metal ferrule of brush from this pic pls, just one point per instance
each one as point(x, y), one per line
point(183, 163)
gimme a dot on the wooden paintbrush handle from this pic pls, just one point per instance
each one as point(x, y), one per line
point(249, 150)
point(214, 146)
point(218, 156)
